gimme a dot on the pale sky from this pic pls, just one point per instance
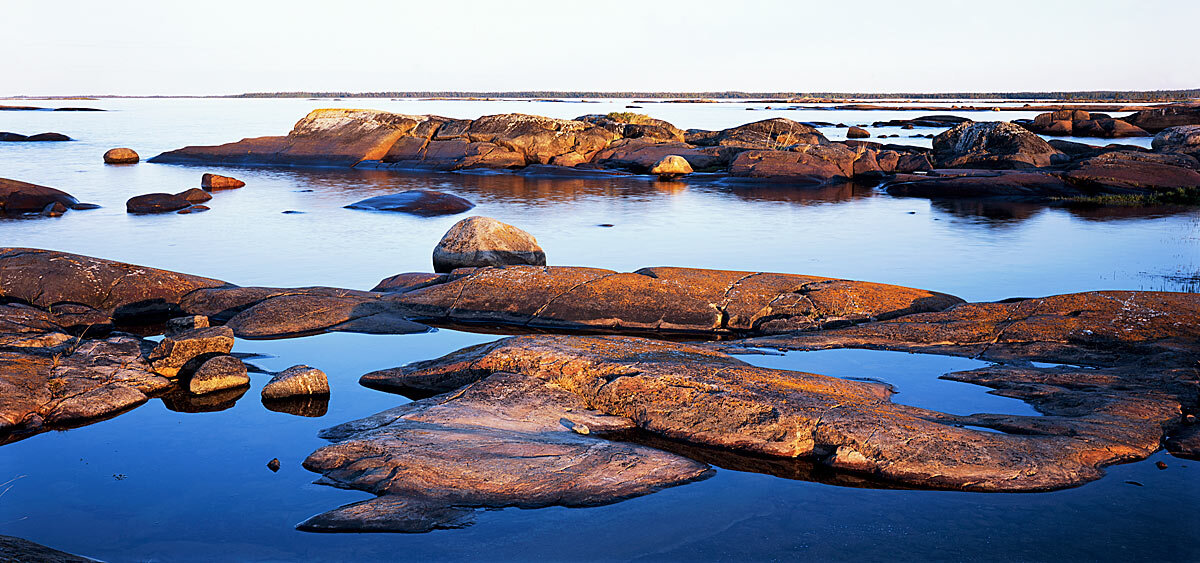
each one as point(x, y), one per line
point(136, 47)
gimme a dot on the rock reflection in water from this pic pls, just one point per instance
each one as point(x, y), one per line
point(312, 407)
point(180, 400)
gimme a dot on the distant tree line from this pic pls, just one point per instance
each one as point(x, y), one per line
point(1106, 95)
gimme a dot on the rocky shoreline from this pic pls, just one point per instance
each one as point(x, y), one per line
point(539, 419)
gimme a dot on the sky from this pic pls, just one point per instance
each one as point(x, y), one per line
point(213, 47)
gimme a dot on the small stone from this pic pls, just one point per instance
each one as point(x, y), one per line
point(581, 429)
point(606, 225)
point(217, 182)
point(121, 156)
point(1160, 464)
point(181, 324)
point(296, 381)
point(1190, 419)
point(671, 166)
point(273, 465)
point(218, 373)
point(55, 209)
point(195, 195)
point(193, 209)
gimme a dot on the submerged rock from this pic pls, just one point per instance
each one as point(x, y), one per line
point(426, 203)
point(212, 182)
point(296, 381)
point(483, 241)
point(500, 443)
point(121, 156)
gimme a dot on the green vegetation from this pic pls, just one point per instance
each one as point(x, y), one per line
point(1177, 196)
point(629, 117)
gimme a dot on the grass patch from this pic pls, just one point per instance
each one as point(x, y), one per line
point(1177, 196)
point(629, 117)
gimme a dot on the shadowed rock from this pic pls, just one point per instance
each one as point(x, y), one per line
point(1180, 140)
point(1174, 115)
point(312, 406)
point(302, 314)
point(483, 241)
point(17, 550)
point(156, 203)
point(195, 195)
point(426, 203)
point(23, 197)
point(661, 299)
point(696, 394)
point(1008, 184)
point(217, 372)
point(123, 291)
point(506, 441)
point(176, 350)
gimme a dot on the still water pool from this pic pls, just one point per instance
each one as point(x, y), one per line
point(155, 484)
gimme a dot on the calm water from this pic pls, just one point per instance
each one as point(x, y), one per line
point(155, 484)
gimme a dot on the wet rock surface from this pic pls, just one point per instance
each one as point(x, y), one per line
point(506, 441)
point(426, 203)
point(483, 241)
point(23, 197)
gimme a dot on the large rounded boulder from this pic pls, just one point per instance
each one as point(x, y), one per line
point(23, 197)
point(426, 203)
point(992, 145)
point(1184, 139)
point(483, 241)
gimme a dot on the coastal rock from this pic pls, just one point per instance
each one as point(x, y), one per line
point(296, 381)
point(857, 133)
point(1135, 172)
point(483, 241)
point(504, 442)
point(660, 299)
point(1009, 184)
point(1182, 140)
point(1158, 119)
point(639, 155)
point(636, 126)
point(121, 156)
point(217, 373)
point(183, 324)
point(210, 182)
point(995, 145)
point(696, 394)
point(17, 550)
point(122, 291)
point(401, 283)
point(23, 197)
point(40, 137)
point(671, 166)
point(769, 134)
point(195, 195)
point(426, 203)
point(804, 164)
point(156, 203)
point(221, 304)
point(176, 350)
point(298, 313)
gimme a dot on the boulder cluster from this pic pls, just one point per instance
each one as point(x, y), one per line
point(185, 202)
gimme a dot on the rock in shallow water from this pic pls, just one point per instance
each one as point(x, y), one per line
point(178, 349)
point(156, 203)
point(296, 381)
point(426, 203)
point(483, 241)
point(217, 182)
point(23, 197)
point(218, 372)
point(121, 156)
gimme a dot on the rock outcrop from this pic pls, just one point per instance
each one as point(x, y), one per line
point(1158, 119)
point(121, 156)
point(996, 145)
point(23, 197)
point(1079, 123)
point(17, 550)
point(426, 203)
point(483, 241)
point(1181, 140)
point(508, 441)
point(40, 137)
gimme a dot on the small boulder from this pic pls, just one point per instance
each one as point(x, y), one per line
point(183, 324)
point(296, 381)
point(178, 349)
point(195, 195)
point(121, 156)
point(156, 203)
point(217, 373)
point(193, 209)
point(48, 137)
point(483, 241)
point(857, 133)
point(671, 166)
point(426, 203)
point(994, 145)
point(217, 182)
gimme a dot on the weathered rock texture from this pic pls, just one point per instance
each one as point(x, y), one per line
point(1079, 123)
point(17, 550)
point(296, 381)
point(508, 440)
point(23, 197)
point(1174, 115)
point(483, 241)
point(660, 299)
point(991, 145)
point(121, 156)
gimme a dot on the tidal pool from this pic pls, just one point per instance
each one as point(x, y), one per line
point(156, 484)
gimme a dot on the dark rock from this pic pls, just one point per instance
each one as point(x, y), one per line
point(1181, 140)
point(1126, 172)
point(193, 209)
point(1010, 184)
point(17, 550)
point(995, 145)
point(121, 156)
point(273, 465)
point(23, 197)
point(183, 400)
point(401, 283)
point(183, 324)
point(299, 313)
point(55, 209)
point(1175, 115)
point(212, 182)
point(156, 203)
point(6, 136)
point(857, 133)
point(426, 203)
point(312, 406)
point(195, 195)
point(218, 372)
point(296, 381)
point(483, 241)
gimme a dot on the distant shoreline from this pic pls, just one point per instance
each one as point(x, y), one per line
point(766, 97)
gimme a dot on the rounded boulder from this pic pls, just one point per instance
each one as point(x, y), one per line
point(483, 241)
point(121, 156)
